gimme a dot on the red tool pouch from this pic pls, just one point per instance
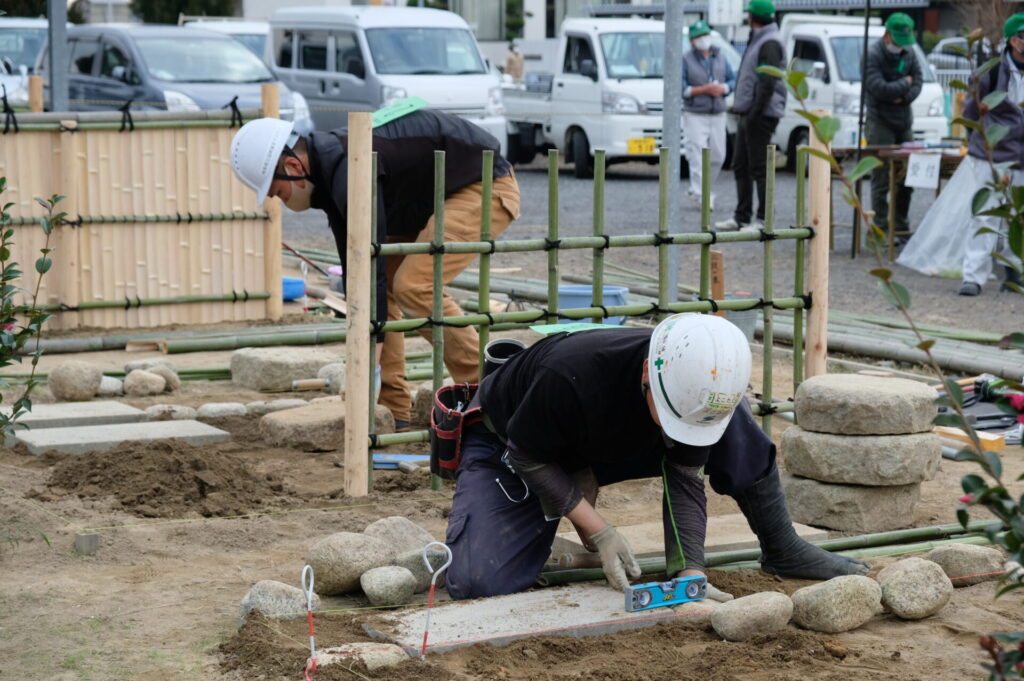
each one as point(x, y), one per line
point(447, 419)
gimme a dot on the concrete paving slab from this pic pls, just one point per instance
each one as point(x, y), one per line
point(69, 414)
point(725, 533)
point(577, 610)
point(84, 439)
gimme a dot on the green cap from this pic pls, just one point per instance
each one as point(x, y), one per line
point(901, 28)
point(1013, 25)
point(699, 28)
point(760, 8)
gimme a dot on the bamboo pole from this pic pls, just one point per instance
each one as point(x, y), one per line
point(597, 263)
point(270, 104)
point(663, 229)
point(552, 234)
point(437, 311)
point(820, 186)
point(705, 222)
point(798, 265)
point(357, 341)
point(768, 285)
point(485, 258)
point(69, 241)
point(35, 94)
point(718, 278)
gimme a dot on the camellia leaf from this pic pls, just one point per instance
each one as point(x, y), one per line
point(950, 419)
point(967, 123)
point(994, 98)
point(994, 463)
point(823, 155)
point(1014, 340)
point(882, 273)
point(953, 389)
point(926, 344)
point(959, 85)
point(995, 133)
point(896, 293)
point(981, 197)
point(43, 265)
point(987, 66)
point(973, 484)
point(827, 128)
point(773, 71)
point(863, 167)
point(813, 118)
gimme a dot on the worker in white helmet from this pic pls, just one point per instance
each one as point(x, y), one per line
point(311, 172)
point(577, 411)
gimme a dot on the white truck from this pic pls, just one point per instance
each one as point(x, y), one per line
point(829, 49)
point(605, 92)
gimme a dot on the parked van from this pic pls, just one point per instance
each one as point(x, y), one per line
point(362, 58)
point(829, 49)
point(605, 92)
point(252, 34)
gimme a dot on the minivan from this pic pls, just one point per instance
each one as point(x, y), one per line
point(173, 68)
point(362, 58)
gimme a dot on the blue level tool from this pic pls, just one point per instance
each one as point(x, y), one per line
point(658, 594)
point(386, 461)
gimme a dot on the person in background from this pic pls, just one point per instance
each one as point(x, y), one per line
point(892, 82)
point(514, 62)
point(1007, 77)
point(707, 79)
point(759, 103)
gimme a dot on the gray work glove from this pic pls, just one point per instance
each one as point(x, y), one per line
point(616, 557)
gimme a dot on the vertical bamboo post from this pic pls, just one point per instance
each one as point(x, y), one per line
point(718, 278)
point(663, 254)
point(597, 270)
point(768, 336)
point(552, 235)
point(820, 187)
point(484, 289)
point(705, 222)
point(437, 311)
point(357, 340)
point(73, 179)
point(270, 104)
point(35, 94)
point(798, 278)
point(372, 355)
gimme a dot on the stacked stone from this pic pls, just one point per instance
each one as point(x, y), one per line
point(864, 445)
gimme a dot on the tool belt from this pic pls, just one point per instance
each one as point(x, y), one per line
point(449, 416)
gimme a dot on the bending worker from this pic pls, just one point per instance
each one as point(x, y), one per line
point(311, 172)
point(577, 411)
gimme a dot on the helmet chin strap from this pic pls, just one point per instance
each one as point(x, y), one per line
point(293, 178)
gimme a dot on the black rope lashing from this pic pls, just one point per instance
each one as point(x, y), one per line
point(490, 318)
point(711, 301)
point(74, 224)
point(127, 303)
point(236, 115)
point(766, 235)
point(436, 248)
point(811, 230)
point(9, 117)
point(246, 292)
point(767, 409)
point(376, 248)
point(550, 244)
point(126, 116)
point(607, 242)
point(657, 309)
point(808, 300)
point(374, 442)
point(660, 240)
point(66, 128)
point(491, 242)
point(189, 217)
point(377, 327)
point(64, 307)
point(604, 311)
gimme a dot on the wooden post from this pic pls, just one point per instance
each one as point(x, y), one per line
point(35, 94)
point(66, 248)
point(270, 104)
point(718, 278)
point(357, 341)
point(820, 190)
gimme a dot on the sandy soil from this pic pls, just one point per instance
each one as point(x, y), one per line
point(185, 532)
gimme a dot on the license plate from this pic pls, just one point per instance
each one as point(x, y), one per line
point(640, 145)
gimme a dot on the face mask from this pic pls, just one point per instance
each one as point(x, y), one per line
point(702, 43)
point(894, 48)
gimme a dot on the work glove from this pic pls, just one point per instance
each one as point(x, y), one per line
point(713, 593)
point(616, 557)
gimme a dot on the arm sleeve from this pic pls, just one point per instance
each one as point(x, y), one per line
point(770, 55)
point(684, 516)
point(554, 487)
point(730, 77)
point(878, 87)
point(915, 87)
point(687, 88)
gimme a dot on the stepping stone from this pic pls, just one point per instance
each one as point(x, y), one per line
point(69, 414)
point(725, 533)
point(576, 610)
point(84, 439)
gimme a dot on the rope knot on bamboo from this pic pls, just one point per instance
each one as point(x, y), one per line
point(607, 242)
point(657, 309)
point(660, 239)
point(766, 235)
point(604, 311)
point(236, 115)
point(766, 409)
point(9, 117)
point(807, 299)
point(126, 116)
point(436, 248)
point(550, 244)
point(491, 242)
point(375, 247)
point(710, 301)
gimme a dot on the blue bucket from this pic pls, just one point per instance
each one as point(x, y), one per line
point(292, 287)
point(582, 295)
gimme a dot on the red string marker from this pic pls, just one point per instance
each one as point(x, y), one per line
point(433, 588)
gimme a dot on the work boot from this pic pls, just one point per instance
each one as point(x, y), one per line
point(783, 552)
point(1011, 276)
point(969, 288)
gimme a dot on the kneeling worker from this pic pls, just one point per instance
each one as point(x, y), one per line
point(577, 411)
point(312, 172)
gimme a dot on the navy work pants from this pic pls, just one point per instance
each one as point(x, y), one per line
point(497, 531)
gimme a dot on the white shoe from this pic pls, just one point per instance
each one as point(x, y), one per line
point(729, 225)
point(752, 227)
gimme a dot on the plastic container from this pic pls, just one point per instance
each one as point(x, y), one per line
point(582, 295)
point(746, 320)
point(499, 351)
point(293, 287)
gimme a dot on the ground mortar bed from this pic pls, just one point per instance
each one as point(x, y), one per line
point(185, 531)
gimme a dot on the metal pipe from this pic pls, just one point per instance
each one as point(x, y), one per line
point(57, 32)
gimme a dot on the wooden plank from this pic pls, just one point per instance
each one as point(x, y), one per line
point(271, 105)
point(820, 192)
point(718, 278)
point(990, 442)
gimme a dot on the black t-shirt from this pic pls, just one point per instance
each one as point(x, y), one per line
point(577, 399)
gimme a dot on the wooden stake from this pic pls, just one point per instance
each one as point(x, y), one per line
point(271, 106)
point(357, 342)
point(718, 278)
point(35, 94)
point(820, 192)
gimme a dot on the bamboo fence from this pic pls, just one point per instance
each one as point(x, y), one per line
point(159, 230)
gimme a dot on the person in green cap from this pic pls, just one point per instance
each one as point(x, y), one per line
point(707, 79)
point(1008, 77)
point(893, 81)
point(759, 103)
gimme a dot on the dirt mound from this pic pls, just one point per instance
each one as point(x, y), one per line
point(166, 479)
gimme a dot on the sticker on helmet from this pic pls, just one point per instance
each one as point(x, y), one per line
point(721, 401)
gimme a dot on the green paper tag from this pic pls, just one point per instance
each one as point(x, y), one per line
point(900, 67)
point(400, 108)
point(570, 327)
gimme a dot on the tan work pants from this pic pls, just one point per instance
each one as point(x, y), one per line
point(411, 293)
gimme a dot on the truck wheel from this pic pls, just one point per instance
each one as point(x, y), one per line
point(797, 138)
point(583, 167)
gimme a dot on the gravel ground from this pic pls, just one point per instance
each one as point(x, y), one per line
point(631, 201)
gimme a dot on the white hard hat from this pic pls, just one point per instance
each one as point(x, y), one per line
point(255, 150)
point(699, 368)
